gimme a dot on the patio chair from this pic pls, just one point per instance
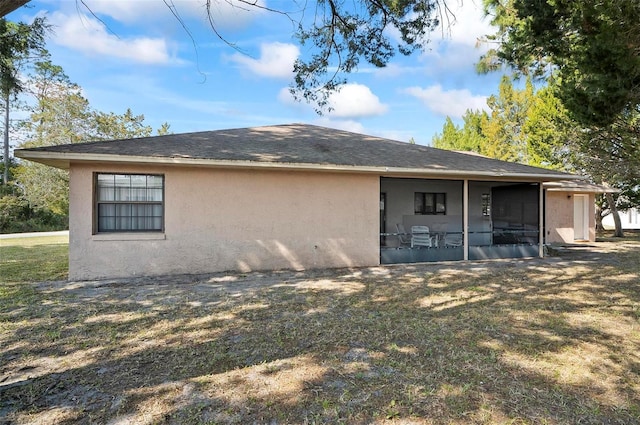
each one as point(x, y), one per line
point(438, 231)
point(453, 239)
point(420, 236)
point(402, 235)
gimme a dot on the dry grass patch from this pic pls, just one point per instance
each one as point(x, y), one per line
point(551, 341)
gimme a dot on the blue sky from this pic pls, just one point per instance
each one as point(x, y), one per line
point(144, 60)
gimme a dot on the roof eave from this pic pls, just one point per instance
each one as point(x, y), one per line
point(64, 159)
point(577, 189)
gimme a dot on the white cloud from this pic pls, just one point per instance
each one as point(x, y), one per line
point(346, 125)
point(355, 100)
point(466, 23)
point(126, 11)
point(454, 47)
point(86, 34)
point(285, 97)
point(451, 103)
point(393, 70)
point(352, 101)
point(276, 60)
point(226, 14)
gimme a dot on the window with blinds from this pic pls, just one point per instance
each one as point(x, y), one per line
point(129, 203)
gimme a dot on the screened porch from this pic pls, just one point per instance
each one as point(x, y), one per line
point(423, 220)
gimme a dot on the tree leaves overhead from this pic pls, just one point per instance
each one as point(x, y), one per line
point(590, 53)
point(17, 42)
point(338, 35)
point(592, 46)
point(344, 33)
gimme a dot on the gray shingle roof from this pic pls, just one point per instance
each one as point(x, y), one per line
point(287, 144)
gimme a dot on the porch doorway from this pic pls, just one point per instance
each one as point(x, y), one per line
point(581, 217)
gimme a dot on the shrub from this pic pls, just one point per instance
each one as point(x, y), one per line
point(16, 216)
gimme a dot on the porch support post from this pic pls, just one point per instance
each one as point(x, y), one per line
point(465, 219)
point(541, 223)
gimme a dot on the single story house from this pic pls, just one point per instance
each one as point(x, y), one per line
point(290, 197)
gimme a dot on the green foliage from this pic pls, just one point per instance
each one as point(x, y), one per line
point(609, 155)
point(536, 129)
point(590, 51)
point(110, 126)
point(468, 138)
point(45, 187)
point(498, 134)
point(504, 128)
point(592, 46)
point(547, 128)
point(61, 115)
point(449, 139)
point(164, 129)
point(17, 216)
point(472, 130)
point(10, 172)
point(17, 42)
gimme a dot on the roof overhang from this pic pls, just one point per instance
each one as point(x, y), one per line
point(578, 187)
point(64, 159)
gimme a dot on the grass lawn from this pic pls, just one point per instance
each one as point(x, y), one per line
point(543, 341)
point(34, 259)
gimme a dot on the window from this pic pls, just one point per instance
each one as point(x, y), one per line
point(430, 203)
point(486, 205)
point(129, 203)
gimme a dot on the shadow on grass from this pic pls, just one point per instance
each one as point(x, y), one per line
point(540, 341)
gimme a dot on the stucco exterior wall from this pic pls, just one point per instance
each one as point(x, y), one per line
point(592, 217)
point(559, 224)
point(219, 220)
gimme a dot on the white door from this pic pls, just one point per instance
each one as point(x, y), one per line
point(581, 217)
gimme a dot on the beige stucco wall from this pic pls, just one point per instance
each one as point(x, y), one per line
point(218, 220)
point(559, 217)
